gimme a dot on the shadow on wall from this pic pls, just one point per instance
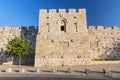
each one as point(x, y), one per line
point(4, 58)
point(30, 33)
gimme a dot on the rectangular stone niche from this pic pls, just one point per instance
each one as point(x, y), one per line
point(64, 44)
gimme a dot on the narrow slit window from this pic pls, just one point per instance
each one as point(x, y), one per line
point(48, 26)
point(76, 27)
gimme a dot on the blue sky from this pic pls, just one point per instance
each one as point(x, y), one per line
point(25, 12)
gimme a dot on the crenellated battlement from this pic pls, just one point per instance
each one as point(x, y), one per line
point(18, 28)
point(62, 10)
point(9, 28)
point(80, 11)
point(72, 11)
point(103, 28)
point(32, 28)
point(52, 11)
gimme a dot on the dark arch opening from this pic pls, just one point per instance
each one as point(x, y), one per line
point(63, 26)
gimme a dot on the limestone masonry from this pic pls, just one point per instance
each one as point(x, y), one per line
point(63, 39)
point(10, 32)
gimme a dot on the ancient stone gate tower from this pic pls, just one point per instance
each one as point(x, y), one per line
point(62, 38)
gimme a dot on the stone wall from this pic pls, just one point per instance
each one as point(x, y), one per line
point(62, 34)
point(64, 60)
point(10, 32)
point(63, 39)
point(104, 42)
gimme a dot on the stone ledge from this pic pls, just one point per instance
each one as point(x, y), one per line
point(8, 63)
point(105, 62)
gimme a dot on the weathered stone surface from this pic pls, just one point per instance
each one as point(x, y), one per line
point(52, 70)
point(61, 38)
point(106, 71)
point(9, 70)
point(22, 70)
point(69, 70)
point(38, 70)
point(87, 71)
point(64, 39)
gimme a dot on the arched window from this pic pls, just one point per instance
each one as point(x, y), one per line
point(62, 22)
point(63, 26)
